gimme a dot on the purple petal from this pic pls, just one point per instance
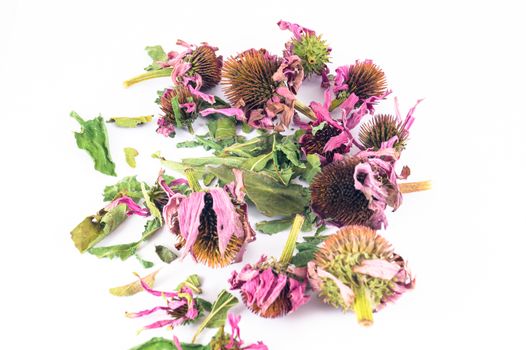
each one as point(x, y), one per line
point(177, 343)
point(146, 312)
point(283, 91)
point(228, 222)
point(277, 286)
point(189, 213)
point(170, 212)
point(160, 324)
point(233, 321)
point(133, 208)
point(157, 293)
point(296, 29)
point(378, 268)
point(336, 141)
point(297, 294)
point(190, 107)
point(205, 97)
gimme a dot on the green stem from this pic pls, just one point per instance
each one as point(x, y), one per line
point(286, 255)
point(336, 103)
point(158, 73)
point(362, 306)
point(192, 180)
point(304, 109)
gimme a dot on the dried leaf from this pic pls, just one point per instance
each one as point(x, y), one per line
point(130, 154)
point(134, 287)
point(130, 122)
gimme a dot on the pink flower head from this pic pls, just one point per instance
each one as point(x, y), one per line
point(363, 78)
point(181, 307)
point(329, 137)
point(311, 48)
point(268, 289)
point(211, 225)
point(262, 89)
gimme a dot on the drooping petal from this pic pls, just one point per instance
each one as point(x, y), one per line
point(296, 29)
point(278, 284)
point(189, 213)
point(378, 268)
point(205, 97)
point(336, 141)
point(146, 312)
point(297, 293)
point(346, 293)
point(229, 112)
point(228, 222)
point(283, 91)
point(133, 208)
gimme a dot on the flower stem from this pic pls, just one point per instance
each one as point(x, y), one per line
point(286, 255)
point(304, 109)
point(158, 73)
point(409, 187)
point(192, 181)
point(335, 104)
point(362, 306)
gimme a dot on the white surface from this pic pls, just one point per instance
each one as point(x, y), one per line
point(463, 239)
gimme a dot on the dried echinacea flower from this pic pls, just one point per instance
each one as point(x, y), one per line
point(193, 63)
point(180, 108)
point(181, 306)
point(262, 88)
point(356, 269)
point(311, 48)
point(273, 288)
point(364, 78)
point(212, 225)
point(387, 130)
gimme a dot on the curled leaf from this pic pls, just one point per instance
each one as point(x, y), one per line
point(130, 122)
point(130, 154)
point(134, 287)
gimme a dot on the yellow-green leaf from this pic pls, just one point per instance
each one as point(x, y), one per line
point(130, 154)
point(134, 287)
point(130, 122)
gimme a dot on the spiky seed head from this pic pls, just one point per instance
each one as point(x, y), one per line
point(314, 142)
point(313, 51)
point(334, 197)
point(207, 64)
point(206, 246)
point(381, 129)
point(346, 249)
point(247, 78)
point(183, 95)
point(365, 80)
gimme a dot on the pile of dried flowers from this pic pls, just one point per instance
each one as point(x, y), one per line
point(307, 166)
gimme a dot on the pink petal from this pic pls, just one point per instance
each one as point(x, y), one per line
point(205, 97)
point(277, 286)
point(190, 107)
point(146, 312)
point(296, 29)
point(177, 343)
point(160, 324)
point(228, 221)
point(233, 320)
point(346, 293)
point(170, 211)
point(133, 208)
point(229, 112)
point(283, 91)
point(189, 213)
point(378, 268)
point(336, 141)
point(157, 293)
point(297, 294)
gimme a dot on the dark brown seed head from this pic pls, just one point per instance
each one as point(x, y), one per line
point(334, 197)
point(314, 143)
point(205, 62)
point(183, 95)
point(247, 78)
point(380, 129)
point(365, 80)
point(206, 247)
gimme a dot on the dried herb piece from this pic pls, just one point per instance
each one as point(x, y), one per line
point(134, 287)
point(130, 122)
point(130, 154)
point(165, 254)
point(217, 316)
point(93, 137)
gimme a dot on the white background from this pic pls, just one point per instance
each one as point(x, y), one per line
point(464, 239)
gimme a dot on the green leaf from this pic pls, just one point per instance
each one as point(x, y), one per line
point(145, 263)
point(257, 163)
point(290, 149)
point(156, 344)
point(94, 228)
point(128, 186)
point(177, 112)
point(270, 196)
point(150, 205)
point(151, 226)
point(271, 227)
point(307, 250)
point(226, 129)
point(130, 122)
point(130, 154)
point(165, 254)
point(121, 251)
point(217, 316)
point(319, 127)
point(157, 54)
point(193, 282)
point(134, 287)
point(93, 138)
point(313, 167)
point(203, 304)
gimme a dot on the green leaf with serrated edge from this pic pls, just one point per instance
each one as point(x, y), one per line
point(150, 205)
point(271, 227)
point(157, 54)
point(130, 122)
point(165, 254)
point(130, 154)
point(217, 316)
point(121, 251)
point(193, 282)
point(156, 344)
point(291, 151)
point(95, 228)
point(134, 287)
point(270, 196)
point(128, 186)
point(151, 226)
point(145, 263)
point(313, 167)
point(93, 138)
point(307, 250)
